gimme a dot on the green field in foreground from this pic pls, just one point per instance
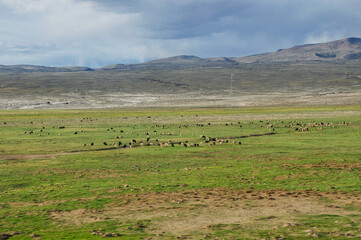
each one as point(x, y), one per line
point(248, 173)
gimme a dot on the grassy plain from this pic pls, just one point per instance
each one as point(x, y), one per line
point(295, 175)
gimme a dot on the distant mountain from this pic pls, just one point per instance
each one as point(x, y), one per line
point(176, 62)
point(178, 59)
point(344, 49)
point(33, 68)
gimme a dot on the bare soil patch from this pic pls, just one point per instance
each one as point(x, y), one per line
point(281, 97)
point(190, 211)
point(78, 217)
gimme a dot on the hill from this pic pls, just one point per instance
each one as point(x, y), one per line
point(317, 74)
point(176, 62)
point(33, 68)
point(344, 49)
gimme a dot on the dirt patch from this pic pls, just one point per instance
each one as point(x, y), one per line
point(190, 211)
point(31, 156)
point(78, 217)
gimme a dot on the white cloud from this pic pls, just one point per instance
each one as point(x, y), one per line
point(68, 27)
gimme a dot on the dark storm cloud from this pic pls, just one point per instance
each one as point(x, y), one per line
point(107, 31)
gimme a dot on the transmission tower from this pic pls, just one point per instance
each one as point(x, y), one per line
point(231, 91)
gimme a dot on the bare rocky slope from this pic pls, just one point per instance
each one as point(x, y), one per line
point(344, 49)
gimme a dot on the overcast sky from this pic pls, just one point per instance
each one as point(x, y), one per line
point(95, 33)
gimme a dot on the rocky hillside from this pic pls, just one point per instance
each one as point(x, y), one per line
point(344, 49)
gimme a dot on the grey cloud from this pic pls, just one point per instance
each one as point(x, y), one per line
point(100, 32)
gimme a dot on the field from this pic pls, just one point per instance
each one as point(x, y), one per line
point(182, 173)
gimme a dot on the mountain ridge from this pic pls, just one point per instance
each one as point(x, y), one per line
point(344, 49)
point(26, 68)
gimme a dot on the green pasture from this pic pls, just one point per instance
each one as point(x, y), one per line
point(47, 164)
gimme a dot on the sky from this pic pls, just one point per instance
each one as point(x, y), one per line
point(96, 33)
